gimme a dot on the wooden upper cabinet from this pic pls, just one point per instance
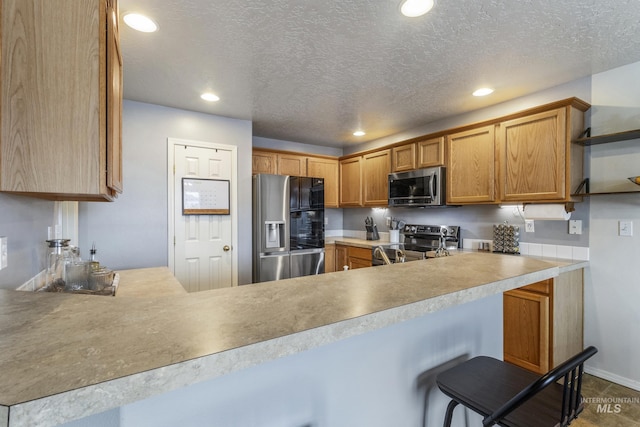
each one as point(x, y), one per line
point(430, 152)
point(114, 100)
point(328, 169)
point(471, 166)
point(534, 157)
point(403, 158)
point(292, 164)
point(264, 162)
point(351, 182)
point(375, 178)
point(60, 126)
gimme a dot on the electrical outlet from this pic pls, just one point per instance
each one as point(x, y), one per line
point(3, 252)
point(575, 226)
point(529, 227)
point(625, 228)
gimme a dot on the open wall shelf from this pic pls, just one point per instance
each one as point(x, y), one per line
point(612, 137)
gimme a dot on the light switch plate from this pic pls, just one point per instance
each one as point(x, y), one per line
point(529, 226)
point(625, 228)
point(575, 226)
point(3, 252)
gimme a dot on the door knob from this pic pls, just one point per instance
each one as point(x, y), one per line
point(226, 248)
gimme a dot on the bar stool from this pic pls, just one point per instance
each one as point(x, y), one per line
point(507, 395)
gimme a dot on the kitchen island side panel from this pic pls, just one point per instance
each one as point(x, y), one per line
point(380, 378)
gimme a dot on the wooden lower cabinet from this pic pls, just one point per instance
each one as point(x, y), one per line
point(543, 322)
point(351, 256)
point(329, 258)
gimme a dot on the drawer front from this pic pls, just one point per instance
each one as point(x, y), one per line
point(356, 252)
point(544, 287)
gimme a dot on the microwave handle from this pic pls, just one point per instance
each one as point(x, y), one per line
point(432, 186)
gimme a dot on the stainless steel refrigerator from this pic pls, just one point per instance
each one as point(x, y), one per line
point(288, 227)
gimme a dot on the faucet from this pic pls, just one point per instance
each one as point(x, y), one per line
point(380, 250)
point(442, 248)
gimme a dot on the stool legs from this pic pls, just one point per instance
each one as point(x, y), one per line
point(449, 415)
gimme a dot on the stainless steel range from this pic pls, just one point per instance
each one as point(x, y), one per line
point(417, 241)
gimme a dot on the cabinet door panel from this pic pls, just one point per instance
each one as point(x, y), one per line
point(375, 178)
point(114, 103)
point(350, 182)
point(53, 99)
point(431, 152)
point(341, 257)
point(329, 258)
point(264, 162)
point(471, 166)
point(526, 330)
point(404, 158)
point(291, 164)
point(327, 169)
point(533, 151)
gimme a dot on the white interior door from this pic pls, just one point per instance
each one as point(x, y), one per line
point(203, 244)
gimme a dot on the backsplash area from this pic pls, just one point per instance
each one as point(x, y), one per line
point(579, 253)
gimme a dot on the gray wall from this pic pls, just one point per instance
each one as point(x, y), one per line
point(132, 231)
point(24, 220)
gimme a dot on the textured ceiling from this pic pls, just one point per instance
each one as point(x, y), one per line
point(313, 71)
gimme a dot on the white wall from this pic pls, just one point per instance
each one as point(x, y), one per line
point(132, 231)
point(612, 283)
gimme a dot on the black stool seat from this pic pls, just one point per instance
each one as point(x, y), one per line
point(507, 395)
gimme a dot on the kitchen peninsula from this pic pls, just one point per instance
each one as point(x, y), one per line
point(65, 357)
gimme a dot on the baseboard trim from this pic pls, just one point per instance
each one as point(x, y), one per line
point(600, 373)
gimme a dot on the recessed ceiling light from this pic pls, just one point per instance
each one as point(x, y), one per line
point(211, 97)
point(359, 133)
point(415, 8)
point(483, 91)
point(140, 22)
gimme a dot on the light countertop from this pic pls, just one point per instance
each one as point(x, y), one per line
point(69, 356)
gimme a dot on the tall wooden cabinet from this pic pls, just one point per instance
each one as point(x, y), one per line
point(471, 176)
point(543, 322)
point(61, 99)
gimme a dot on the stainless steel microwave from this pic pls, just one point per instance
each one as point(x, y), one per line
point(418, 188)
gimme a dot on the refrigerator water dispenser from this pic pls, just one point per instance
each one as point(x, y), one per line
point(274, 234)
